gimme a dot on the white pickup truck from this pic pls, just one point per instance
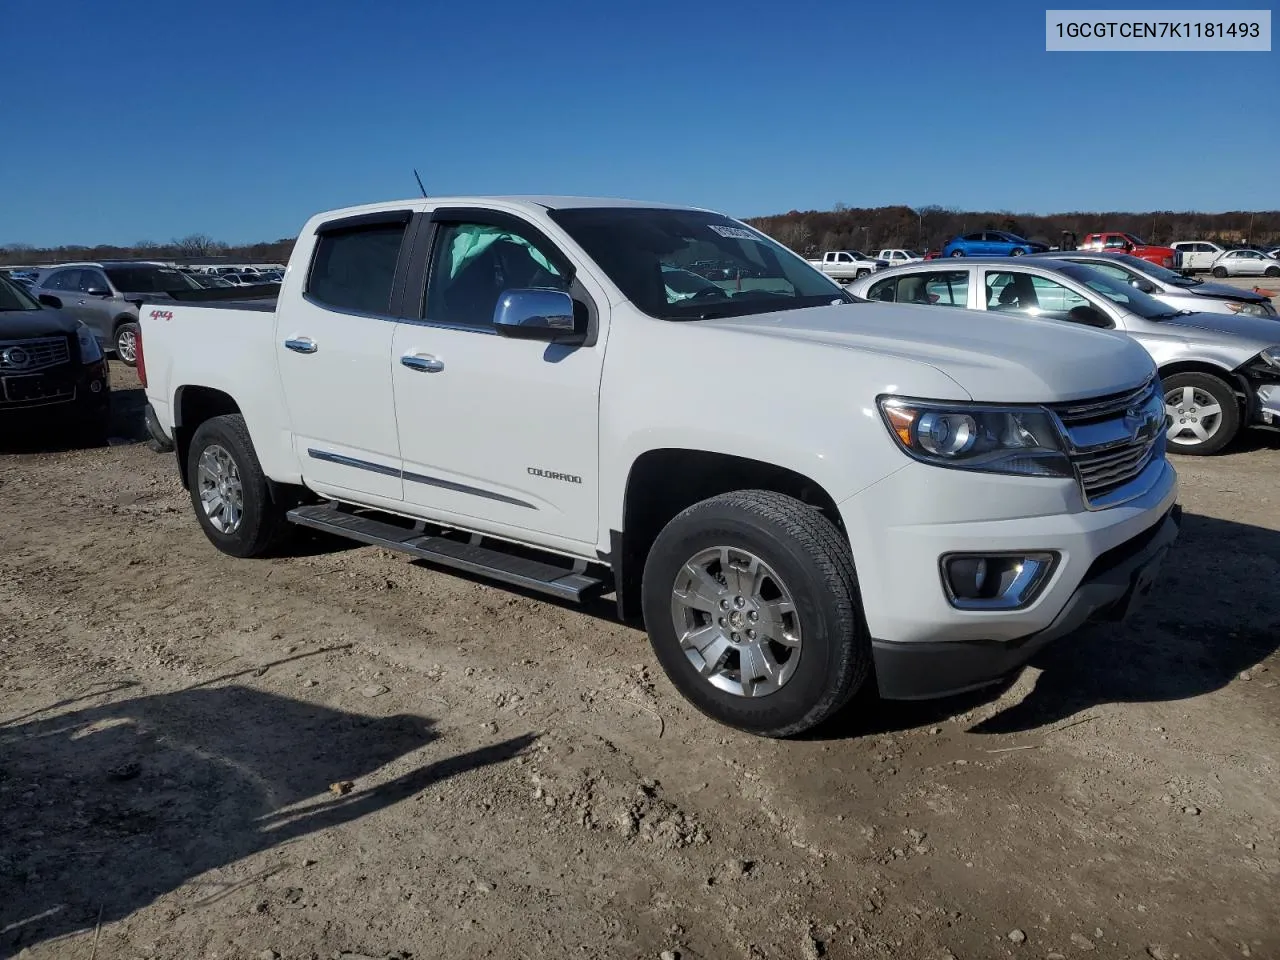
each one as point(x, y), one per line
point(845, 266)
point(800, 494)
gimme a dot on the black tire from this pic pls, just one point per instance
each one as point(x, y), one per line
point(810, 555)
point(124, 343)
point(262, 527)
point(1016, 252)
point(861, 273)
point(957, 253)
point(1223, 395)
point(1272, 272)
point(1219, 272)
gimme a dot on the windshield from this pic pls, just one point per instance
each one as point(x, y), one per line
point(149, 279)
point(1132, 239)
point(13, 297)
point(1126, 295)
point(657, 256)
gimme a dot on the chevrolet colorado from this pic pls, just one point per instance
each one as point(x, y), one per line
point(799, 494)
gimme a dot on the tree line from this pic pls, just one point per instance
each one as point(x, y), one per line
point(195, 245)
point(928, 228)
point(807, 232)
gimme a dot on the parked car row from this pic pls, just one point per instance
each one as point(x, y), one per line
point(1218, 351)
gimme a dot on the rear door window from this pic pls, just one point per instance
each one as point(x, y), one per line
point(948, 289)
point(354, 268)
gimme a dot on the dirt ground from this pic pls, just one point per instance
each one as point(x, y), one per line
point(342, 753)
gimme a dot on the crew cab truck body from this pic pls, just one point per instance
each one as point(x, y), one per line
point(799, 494)
point(1196, 255)
point(846, 265)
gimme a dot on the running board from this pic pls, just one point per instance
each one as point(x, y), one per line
point(469, 556)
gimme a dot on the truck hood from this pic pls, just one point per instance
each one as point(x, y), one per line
point(21, 324)
point(1264, 331)
point(997, 358)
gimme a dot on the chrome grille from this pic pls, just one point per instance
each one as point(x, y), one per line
point(1104, 471)
point(28, 356)
point(1113, 440)
point(1103, 408)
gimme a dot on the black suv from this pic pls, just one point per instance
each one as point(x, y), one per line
point(52, 370)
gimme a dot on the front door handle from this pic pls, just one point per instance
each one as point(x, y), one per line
point(423, 363)
point(302, 345)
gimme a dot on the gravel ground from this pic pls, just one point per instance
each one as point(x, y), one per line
point(344, 753)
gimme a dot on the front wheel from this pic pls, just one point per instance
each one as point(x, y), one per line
point(1203, 413)
point(957, 253)
point(1016, 252)
point(230, 493)
point(752, 607)
point(1219, 272)
point(1273, 272)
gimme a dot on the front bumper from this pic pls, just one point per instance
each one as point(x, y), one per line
point(1268, 409)
point(1117, 583)
point(900, 527)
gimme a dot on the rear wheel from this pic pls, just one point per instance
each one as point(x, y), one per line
point(126, 343)
point(752, 608)
point(957, 253)
point(1203, 412)
point(1219, 272)
point(230, 493)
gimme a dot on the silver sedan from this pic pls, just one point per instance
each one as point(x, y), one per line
point(1246, 263)
point(1220, 373)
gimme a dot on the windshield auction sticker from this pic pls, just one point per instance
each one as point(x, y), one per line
point(1217, 31)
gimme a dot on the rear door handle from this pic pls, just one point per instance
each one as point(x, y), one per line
point(302, 345)
point(422, 362)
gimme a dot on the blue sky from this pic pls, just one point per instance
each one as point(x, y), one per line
point(148, 120)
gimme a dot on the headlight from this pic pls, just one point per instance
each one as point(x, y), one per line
point(1272, 356)
point(1248, 309)
point(90, 349)
point(1014, 440)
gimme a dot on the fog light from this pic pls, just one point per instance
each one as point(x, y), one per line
point(995, 581)
point(95, 386)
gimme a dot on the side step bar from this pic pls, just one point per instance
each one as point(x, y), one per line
point(567, 583)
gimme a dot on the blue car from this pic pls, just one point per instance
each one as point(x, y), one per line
point(991, 243)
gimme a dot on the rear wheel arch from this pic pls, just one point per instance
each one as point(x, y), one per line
point(663, 482)
point(192, 406)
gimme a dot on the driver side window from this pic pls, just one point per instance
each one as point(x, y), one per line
point(473, 264)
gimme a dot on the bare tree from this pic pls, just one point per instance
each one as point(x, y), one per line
point(197, 245)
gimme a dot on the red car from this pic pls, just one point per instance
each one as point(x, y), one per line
point(1128, 243)
point(933, 255)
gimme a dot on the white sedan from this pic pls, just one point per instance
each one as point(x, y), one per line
point(1246, 263)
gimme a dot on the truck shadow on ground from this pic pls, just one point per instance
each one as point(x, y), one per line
point(105, 807)
point(1214, 613)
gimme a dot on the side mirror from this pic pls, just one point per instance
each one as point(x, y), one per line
point(98, 292)
point(1146, 286)
point(535, 314)
point(1090, 317)
point(49, 300)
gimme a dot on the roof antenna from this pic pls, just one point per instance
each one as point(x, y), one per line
point(419, 179)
